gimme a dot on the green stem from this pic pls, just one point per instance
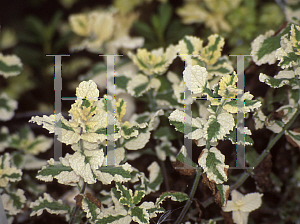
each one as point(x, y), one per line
point(242, 179)
point(165, 177)
point(152, 103)
point(164, 172)
point(246, 174)
point(190, 200)
point(198, 175)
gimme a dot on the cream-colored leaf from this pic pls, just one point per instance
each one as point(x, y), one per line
point(195, 78)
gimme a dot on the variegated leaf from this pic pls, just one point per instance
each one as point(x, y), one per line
point(60, 171)
point(218, 127)
point(173, 195)
point(10, 65)
point(212, 162)
point(7, 107)
point(240, 137)
point(295, 136)
point(151, 184)
point(13, 202)
point(49, 204)
point(178, 118)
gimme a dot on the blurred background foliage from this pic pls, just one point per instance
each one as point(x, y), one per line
point(31, 29)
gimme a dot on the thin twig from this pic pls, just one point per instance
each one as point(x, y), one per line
point(77, 207)
point(190, 200)
point(165, 176)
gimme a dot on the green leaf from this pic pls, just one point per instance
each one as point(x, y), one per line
point(142, 118)
point(53, 25)
point(29, 55)
point(53, 170)
point(85, 103)
point(91, 209)
point(224, 192)
point(194, 131)
point(10, 65)
point(126, 195)
point(165, 12)
point(4, 135)
point(180, 126)
point(104, 130)
point(121, 82)
point(111, 219)
point(211, 163)
point(156, 176)
point(36, 26)
point(164, 83)
point(64, 126)
point(139, 89)
point(5, 68)
point(156, 24)
point(213, 128)
point(287, 61)
point(166, 131)
point(98, 68)
point(17, 159)
point(271, 44)
point(144, 30)
point(251, 155)
point(222, 70)
point(116, 171)
point(234, 135)
point(47, 203)
point(17, 199)
point(183, 157)
point(138, 195)
point(169, 98)
point(127, 131)
point(139, 215)
point(294, 135)
point(189, 45)
point(268, 46)
point(176, 31)
point(175, 196)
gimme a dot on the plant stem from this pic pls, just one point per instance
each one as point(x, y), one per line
point(165, 176)
point(190, 200)
point(196, 181)
point(152, 103)
point(77, 207)
point(264, 153)
point(246, 174)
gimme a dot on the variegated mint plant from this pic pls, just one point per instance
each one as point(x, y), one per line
point(86, 132)
point(220, 121)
